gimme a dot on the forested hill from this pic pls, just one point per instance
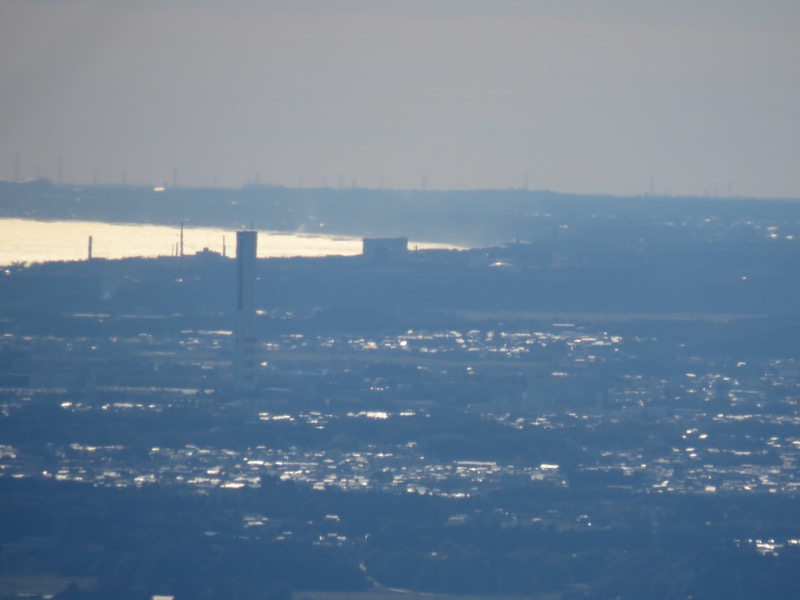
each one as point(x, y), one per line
point(472, 218)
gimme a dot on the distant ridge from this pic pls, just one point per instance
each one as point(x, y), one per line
point(473, 218)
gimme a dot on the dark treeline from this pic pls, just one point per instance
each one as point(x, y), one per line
point(714, 279)
point(161, 539)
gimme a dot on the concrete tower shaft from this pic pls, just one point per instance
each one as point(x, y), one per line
point(246, 342)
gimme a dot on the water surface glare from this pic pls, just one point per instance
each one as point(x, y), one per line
point(29, 241)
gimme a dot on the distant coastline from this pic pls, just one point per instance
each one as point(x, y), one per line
point(31, 241)
point(457, 218)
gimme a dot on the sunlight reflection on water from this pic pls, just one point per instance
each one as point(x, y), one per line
point(42, 241)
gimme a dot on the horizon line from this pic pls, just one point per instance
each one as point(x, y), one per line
point(275, 186)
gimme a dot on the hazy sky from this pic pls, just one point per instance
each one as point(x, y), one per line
point(689, 96)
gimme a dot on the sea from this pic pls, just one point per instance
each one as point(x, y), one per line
point(27, 241)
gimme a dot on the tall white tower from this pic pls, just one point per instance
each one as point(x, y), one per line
point(245, 361)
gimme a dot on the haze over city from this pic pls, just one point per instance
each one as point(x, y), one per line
point(679, 98)
point(409, 300)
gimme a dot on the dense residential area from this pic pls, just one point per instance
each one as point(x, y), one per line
point(504, 461)
point(572, 415)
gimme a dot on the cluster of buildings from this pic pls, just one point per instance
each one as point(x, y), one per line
point(710, 427)
point(628, 417)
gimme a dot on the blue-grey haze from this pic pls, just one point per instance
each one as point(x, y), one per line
point(683, 98)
